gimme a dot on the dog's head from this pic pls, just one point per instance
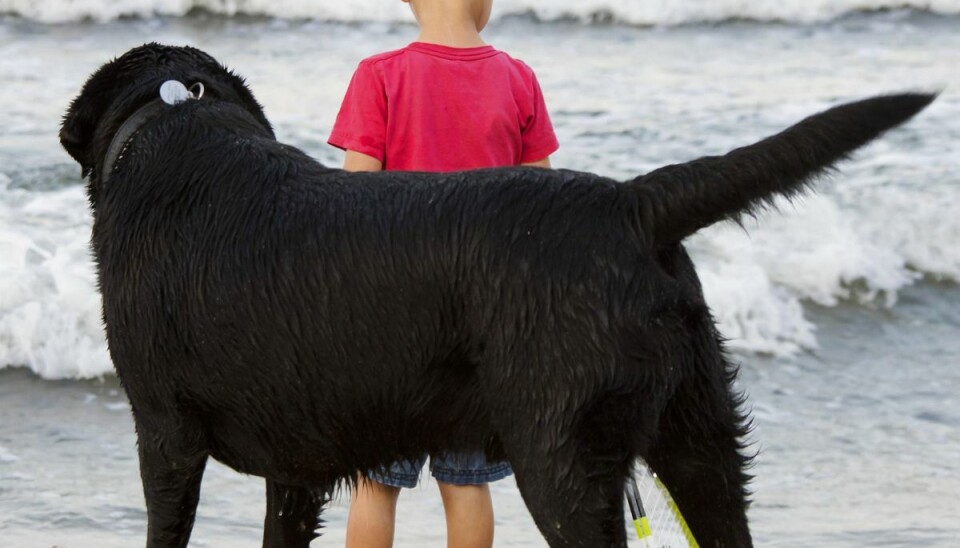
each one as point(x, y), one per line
point(119, 88)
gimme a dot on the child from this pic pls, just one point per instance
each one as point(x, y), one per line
point(446, 102)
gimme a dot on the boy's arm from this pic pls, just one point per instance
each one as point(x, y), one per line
point(360, 128)
point(358, 161)
point(539, 163)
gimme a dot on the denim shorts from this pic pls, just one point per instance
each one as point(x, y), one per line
point(455, 468)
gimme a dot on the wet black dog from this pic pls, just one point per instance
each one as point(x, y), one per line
point(305, 324)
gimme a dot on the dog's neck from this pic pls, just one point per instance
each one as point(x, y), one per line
point(172, 93)
point(144, 115)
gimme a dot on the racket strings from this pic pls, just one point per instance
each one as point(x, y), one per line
point(666, 523)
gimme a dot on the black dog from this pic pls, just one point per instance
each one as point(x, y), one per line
point(305, 324)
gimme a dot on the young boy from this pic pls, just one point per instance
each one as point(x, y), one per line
point(447, 102)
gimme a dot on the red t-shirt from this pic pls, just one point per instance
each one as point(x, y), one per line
point(435, 108)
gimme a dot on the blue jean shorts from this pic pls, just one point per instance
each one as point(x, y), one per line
point(455, 468)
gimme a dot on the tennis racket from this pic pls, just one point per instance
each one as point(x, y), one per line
point(656, 517)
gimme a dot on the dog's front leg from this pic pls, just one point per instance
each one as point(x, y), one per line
point(171, 487)
point(293, 515)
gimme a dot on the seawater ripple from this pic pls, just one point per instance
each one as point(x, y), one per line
point(632, 12)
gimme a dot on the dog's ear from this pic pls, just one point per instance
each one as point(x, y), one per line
point(75, 138)
point(78, 128)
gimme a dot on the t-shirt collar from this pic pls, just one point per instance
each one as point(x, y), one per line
point(447, 52)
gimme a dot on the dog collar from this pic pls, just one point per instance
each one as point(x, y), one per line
point(172, 93)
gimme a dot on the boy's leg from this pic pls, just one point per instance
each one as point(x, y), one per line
point(373, 510)
point(469, 515)
point(464, 480)
point(373, 507)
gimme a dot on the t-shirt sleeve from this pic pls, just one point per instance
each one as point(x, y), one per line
point(538, 138)
point(361, 124)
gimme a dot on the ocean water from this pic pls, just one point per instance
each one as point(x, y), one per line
point(843, 307)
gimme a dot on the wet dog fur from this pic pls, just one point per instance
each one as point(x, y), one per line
point(305, 324)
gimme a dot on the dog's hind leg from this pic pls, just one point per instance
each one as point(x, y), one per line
point(575, 500)
point(699, 451)
point(171, 487)
point(293, 515)
point(571, 476)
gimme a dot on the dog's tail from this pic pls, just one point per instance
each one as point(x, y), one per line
point(680, 199)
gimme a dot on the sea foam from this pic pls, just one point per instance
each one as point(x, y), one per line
point(49, 305)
